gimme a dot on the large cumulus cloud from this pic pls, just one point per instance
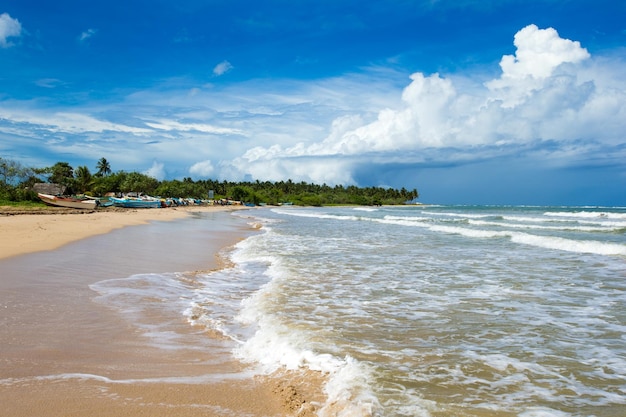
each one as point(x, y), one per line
point(551, 99)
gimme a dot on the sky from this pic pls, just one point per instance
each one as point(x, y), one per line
point(467, 101)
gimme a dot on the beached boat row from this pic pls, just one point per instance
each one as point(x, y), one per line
point(155, 202)
point(90, 203)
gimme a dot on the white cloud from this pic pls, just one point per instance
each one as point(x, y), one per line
point(330, 170)
point(222, 68)
point(203, 169)
point(421, 122)
point(86, 35)
point(539, 53)
point(49, 82)
point(66, 122)
point(171, 125)
point(157, 170)
point(9, 27)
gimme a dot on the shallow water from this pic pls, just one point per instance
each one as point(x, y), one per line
point(416, 311)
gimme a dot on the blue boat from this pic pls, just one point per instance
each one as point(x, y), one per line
point(132, 202)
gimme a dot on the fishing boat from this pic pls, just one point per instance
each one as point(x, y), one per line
point(77, 203)
point(134, 202)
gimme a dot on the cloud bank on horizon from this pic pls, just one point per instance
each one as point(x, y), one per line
point(546, 126)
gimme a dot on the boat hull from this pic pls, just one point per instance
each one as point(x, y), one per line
point(67, 202)
point(135, 203)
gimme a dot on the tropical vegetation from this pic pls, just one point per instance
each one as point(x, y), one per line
point(17, 181)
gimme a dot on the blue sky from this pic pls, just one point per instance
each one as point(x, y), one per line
point(469, 101)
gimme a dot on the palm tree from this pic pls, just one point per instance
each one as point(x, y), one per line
point(104, 168)
point(83, 179)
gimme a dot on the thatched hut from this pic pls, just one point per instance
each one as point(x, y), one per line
point(49, 188)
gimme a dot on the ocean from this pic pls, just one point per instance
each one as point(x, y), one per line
point(412, 310)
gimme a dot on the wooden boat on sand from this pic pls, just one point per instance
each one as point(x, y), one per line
point(53, 200)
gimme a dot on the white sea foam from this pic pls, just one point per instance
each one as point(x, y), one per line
point(199, 315)
point(198, 379)
point(459, 215)
point(542, 412)
point(277, 345)
point(560, 220)
point(369, 209)
point(594, 247)
point(548, 242)
point(316, 215)
point(588, 215)
point(566, 227)
point(601, 225)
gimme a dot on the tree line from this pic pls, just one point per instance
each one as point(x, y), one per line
point(17, 181)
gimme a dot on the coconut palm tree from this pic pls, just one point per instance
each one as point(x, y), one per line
point(104, 168)
point(83, 179)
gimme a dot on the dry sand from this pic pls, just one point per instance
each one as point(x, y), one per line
point(52, 228)
point(62, 354)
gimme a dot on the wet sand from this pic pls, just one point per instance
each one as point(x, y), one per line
point(64, 354)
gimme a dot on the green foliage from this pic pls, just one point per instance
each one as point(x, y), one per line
point(16, 183)
point(240, 193)
point(61, 173)
point(310, 200)
point(21, 203)
point(10, 193)
point(136, 182)
point(84, 180)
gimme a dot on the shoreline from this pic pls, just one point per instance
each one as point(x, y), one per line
point(65, 354)
point(28, 231)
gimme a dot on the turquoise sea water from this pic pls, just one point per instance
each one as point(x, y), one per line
point(418, 310)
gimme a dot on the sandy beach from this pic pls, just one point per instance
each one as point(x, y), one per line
point(64, 354)
point(52, 228)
